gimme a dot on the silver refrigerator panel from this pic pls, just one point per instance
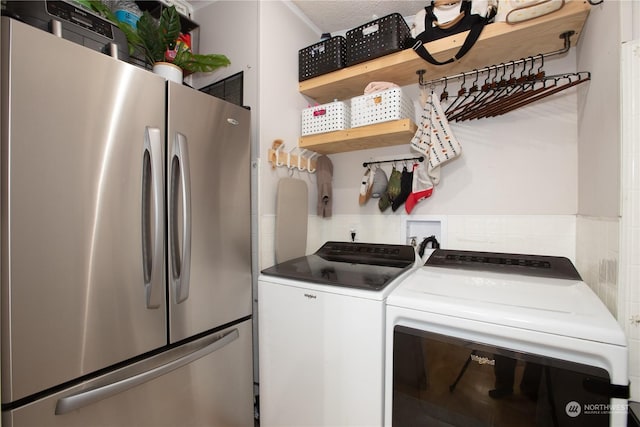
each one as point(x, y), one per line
point(209, 212)
point(214, 390)
point(75, 124)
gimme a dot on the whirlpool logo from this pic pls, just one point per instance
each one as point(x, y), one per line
point(481, 360)
point(310, 296)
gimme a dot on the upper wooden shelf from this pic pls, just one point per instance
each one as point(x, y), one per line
point(377, 135)
point(499, 42)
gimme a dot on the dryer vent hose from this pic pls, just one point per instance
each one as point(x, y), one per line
point(434, 244)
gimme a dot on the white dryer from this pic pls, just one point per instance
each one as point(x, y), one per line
point(494, 339)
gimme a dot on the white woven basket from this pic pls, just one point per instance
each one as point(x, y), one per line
point(325, 118)
point(378, 107)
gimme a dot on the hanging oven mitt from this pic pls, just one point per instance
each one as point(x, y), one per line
point(443, 145)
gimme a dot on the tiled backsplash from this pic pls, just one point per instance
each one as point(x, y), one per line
point(537, 234)
point(597, 253)
point(528, 234)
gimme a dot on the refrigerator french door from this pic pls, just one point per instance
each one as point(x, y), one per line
point(126, 271)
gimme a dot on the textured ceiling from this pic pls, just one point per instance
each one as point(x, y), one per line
point(332, 16)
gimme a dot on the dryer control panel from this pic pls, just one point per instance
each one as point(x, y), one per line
point(528, 265)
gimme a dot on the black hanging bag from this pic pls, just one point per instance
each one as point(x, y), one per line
point(465, 21)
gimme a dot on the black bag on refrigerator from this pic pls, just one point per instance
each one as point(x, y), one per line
point(455, 17)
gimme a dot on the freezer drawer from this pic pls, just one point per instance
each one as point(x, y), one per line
point(215, 390)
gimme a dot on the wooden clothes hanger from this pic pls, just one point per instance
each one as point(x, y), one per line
point(473, 94)
point(573, 80)
point(538, 90)
point(463, 98)
point(506, 87)
point(461, 93)
point(467, 109)
point(522, 93)
point(518, 89)
point(490, 91)
point(501, 95)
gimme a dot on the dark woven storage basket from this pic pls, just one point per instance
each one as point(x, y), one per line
point(377, 38)
point(322, 58)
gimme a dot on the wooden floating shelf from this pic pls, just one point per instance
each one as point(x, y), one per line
point(499, 42)
point(377, 135)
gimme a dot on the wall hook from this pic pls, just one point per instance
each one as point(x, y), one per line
point(302, 159)
point(420, 74)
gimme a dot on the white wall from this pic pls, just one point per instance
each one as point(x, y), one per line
point(520, 163)
point(221, 33)
point(282, 34)
point(599, 113)
point(523, 163)
point(599, 150)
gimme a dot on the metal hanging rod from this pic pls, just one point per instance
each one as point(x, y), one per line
point(420, 159)
point(567, 45)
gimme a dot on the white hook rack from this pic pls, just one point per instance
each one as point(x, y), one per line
point(295, 158)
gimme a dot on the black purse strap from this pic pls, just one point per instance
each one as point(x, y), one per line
point(472, 37)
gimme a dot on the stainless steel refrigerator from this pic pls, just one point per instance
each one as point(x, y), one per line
point(126, 256)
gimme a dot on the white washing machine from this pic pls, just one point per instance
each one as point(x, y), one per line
point(486, 339)
point(321, 334)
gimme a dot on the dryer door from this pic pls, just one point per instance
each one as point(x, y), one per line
point(442, 380)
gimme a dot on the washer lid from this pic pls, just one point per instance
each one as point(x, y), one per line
point(555, 306)
point(356, 265)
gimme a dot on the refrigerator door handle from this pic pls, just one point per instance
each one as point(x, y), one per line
point(152, 217)
point(180, 183)
point(98, 393)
